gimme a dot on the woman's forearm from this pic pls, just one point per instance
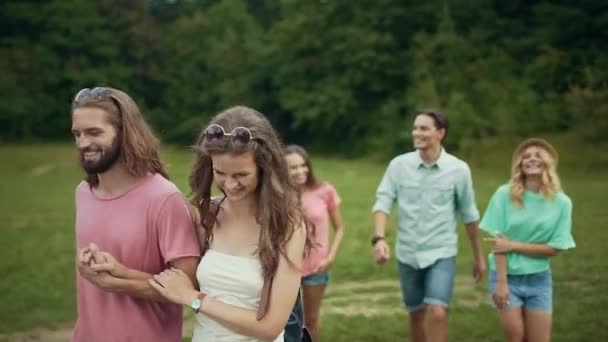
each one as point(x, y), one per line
point(501, 267)
point(533, 249)
point(138, 288)
point(338, 237)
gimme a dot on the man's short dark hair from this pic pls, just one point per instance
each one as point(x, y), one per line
point(439, 119)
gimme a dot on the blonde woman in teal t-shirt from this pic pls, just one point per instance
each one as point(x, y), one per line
point(530, 219)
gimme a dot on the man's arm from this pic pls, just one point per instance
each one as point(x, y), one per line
point(103, 270)
point(382, 251)
point(178, 243)
point(465, 196)
point(139, 287)
point(385, 196)
point(479, 264)
point(380, 221)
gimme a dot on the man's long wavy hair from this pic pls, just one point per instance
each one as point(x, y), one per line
point(551, 184)
point(278, 205)
point(139, 147)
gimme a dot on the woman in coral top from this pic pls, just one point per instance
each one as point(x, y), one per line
point(320, 203)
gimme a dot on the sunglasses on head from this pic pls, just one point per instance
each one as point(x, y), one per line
point(96, 93)
point(239, 135)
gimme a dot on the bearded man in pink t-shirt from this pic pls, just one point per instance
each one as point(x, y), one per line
point(131, 223)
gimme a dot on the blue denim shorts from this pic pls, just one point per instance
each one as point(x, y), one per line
point(293, 329)
point(316, 279)
point(532, 291)
point(430, 285)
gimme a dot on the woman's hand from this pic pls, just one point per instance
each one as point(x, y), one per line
point(324, 265)
point(501, 295)
point(501, 244)
point(175, 286)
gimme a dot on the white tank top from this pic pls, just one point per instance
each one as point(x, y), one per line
point(231, 279)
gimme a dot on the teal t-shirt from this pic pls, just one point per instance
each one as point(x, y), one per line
point(540, 220)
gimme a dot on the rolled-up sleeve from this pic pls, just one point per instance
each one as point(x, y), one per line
point(465, 196)
point(562, 238)
point(387, 191)
point(176, 232)
point(494, 218)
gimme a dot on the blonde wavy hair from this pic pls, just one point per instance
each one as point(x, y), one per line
point(551, 184)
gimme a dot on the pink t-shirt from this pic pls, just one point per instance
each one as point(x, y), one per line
point(143, 229)
point(316, 205)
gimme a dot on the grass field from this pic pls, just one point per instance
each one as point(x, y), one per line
point(363, 301)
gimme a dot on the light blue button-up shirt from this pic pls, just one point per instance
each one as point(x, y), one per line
point(429, 198)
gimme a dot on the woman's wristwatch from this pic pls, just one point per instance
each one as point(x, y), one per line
point(197, 303)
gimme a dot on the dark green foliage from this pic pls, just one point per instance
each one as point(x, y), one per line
point(337, 75)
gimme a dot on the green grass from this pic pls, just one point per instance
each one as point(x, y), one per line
point(362, 302)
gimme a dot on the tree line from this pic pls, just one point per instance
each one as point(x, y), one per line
point(338, 75)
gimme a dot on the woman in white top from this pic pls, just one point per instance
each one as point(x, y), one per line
point(253, 237)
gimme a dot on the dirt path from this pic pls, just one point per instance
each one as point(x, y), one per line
point(342, 299)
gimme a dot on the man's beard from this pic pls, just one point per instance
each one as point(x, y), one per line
point(107, 159)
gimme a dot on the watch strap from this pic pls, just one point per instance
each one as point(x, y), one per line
point(376, 238)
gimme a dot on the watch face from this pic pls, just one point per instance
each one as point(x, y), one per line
point(196, 304)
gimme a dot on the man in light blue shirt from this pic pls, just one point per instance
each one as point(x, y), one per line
point(431, 188)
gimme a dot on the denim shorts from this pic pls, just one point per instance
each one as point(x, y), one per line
point(532, 291)
point(430, 285)
point(293, 329)
point(316, 279)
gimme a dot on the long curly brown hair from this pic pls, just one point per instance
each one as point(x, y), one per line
point(311, 181)
point(139, 147)
point(278, 205)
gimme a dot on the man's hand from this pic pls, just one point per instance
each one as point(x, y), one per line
point(107, 263)
point(100, 261)
point(382, 252)
point(94, 266)
point(479, 269)
point(83, 265)
point(100, 279)
point(90, 255)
